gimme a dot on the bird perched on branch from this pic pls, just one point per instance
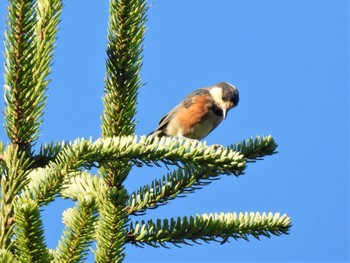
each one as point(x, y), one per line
point(199, 113)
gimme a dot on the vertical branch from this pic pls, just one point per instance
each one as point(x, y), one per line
point(30, 36)
point(111, 233)
point(19, 55)
point(29, 44)
point(125, 35)
point(16, 167)
point(78, 233)
point(30, 244)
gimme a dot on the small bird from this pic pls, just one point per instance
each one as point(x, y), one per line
point(199, 113)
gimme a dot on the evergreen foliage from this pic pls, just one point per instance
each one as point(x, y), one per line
point(31, 180)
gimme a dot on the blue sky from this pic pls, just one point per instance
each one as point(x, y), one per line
point(290, 61)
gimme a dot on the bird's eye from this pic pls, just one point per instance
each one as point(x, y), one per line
point(224, 97)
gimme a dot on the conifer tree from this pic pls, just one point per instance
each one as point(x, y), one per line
point(32, 179)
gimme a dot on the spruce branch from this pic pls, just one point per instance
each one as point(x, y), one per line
point(29, 240)
point(82, 154)
point(126, 29)
point(83, 184)
point(212, 227)
point(111, 233)
point(255, 148)
point(16, 167)
point(47, 153)
point(79, 231)
point(29, 44)
point(19, 50)
point(45, 184)
point(167, 150)
point(6, 256)
point(178, 183)
point(186, 180)
point(125, 35)
point(124, 47)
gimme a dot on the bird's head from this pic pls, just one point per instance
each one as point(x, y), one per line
point(225, 96)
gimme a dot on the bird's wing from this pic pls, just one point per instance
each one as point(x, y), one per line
point(164, 122)
point(187, 102)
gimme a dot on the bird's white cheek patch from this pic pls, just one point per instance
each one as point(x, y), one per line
point(216, 93)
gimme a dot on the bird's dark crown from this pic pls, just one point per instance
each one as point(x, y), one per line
point(229, 92)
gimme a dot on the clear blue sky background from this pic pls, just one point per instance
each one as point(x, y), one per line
point(290, 62)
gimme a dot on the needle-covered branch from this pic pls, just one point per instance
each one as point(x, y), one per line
point(17, 166)
point(82, 184)
point(255, 148)
point(186, 180)
point(19, 52)
point(212, 227)
point(178, 183)
point(15, 169)
point(30, 35)
point(29, 240)
point(83, 154)
point(124, 47)
point(110, 229)
point(79, 231)
point(6, 256)
point(125, 35)
point(47, 153)
point(167, 150)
